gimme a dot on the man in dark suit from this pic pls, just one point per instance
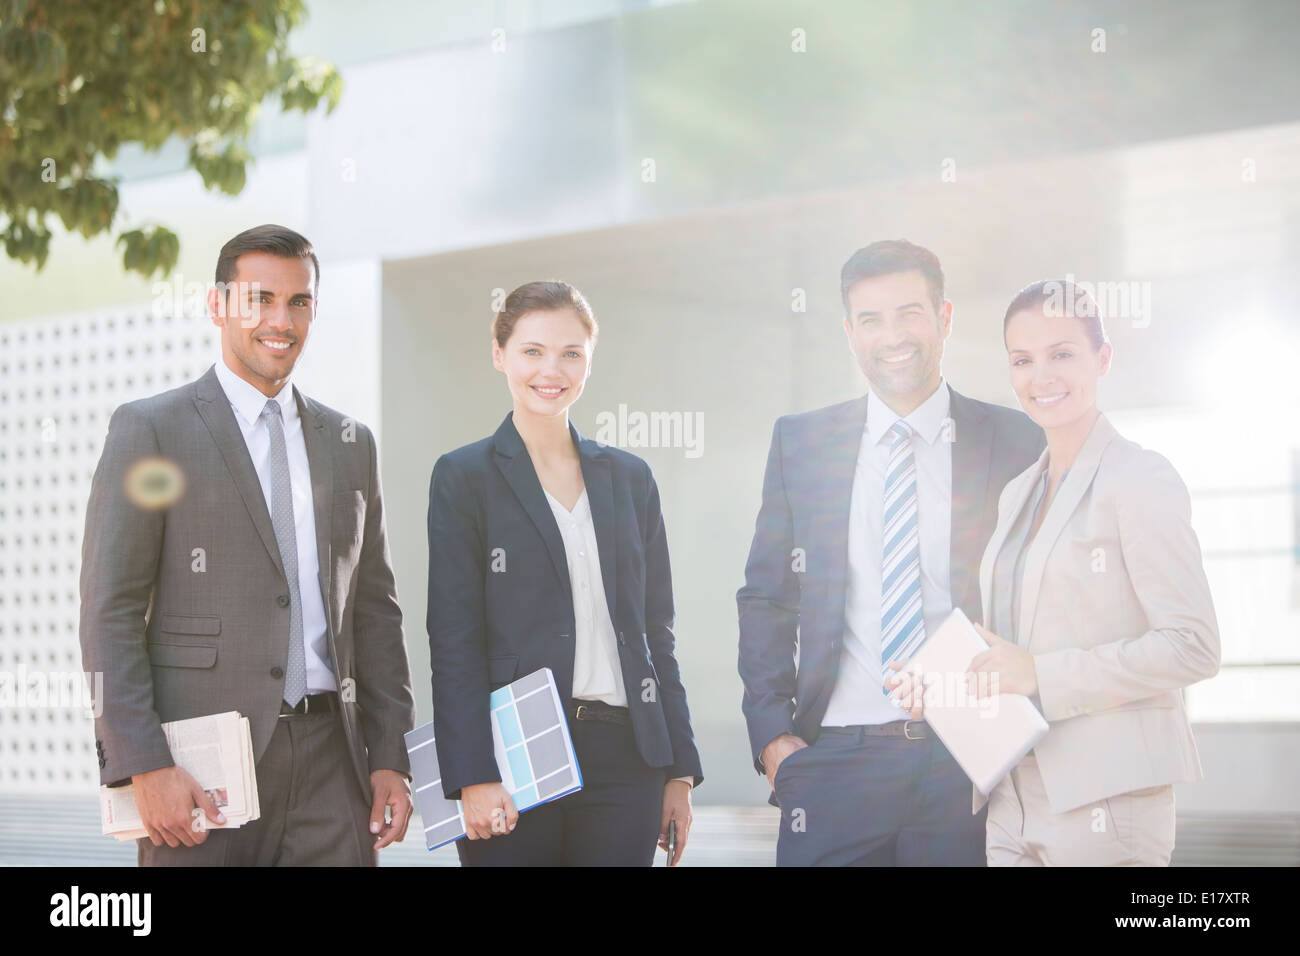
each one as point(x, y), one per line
point(235, 559)
point(874, 518)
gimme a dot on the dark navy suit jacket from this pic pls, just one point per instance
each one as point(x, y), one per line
point(806, 494)
point(501, 605)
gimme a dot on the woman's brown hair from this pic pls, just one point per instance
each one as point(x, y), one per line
point(1059, 297)
point(545, 296)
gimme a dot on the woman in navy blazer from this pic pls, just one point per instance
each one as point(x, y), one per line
point(547, 549)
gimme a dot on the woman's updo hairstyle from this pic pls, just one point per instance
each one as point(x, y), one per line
point(1059, 297)
point(546, 296)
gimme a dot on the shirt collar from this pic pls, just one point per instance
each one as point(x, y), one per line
point(248, 402)
point(927, 419)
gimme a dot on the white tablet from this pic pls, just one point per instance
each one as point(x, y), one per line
point(987, 736)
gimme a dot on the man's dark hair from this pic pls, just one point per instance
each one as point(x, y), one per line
point(887, 257)
point(277, 240)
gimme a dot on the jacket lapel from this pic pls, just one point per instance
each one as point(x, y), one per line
point(972, 457)
point(600, 496)
point(1015, 502)
point(321, 462)
point(836, 470)
point(516, 467)
point(214, 408)
point(1059, 511)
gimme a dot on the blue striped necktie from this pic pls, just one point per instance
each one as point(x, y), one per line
point(902, 622)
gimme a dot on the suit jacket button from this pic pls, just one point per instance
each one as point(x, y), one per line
point(277, 672)
point(282, 600)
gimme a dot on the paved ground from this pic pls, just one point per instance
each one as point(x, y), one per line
point(64, 831)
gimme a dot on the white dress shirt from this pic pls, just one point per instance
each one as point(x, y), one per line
point(858, 696)
point(596, 671)
point(247, 403)
point(597, 674)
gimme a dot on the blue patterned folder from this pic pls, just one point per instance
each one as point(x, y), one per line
point(534, 754)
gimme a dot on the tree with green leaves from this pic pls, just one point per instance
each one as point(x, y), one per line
point(79, 79)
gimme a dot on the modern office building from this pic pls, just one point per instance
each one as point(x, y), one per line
point(701, 171)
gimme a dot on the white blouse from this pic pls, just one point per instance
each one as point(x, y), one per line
point(596, 671)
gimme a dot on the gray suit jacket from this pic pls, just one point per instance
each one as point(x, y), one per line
point(1116, 610)
point(178, 632)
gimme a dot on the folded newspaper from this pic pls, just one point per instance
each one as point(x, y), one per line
point(217, 751)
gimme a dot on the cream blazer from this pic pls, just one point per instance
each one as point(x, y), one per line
point(1116, 610)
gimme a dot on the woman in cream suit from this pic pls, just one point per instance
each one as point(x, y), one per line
point(1099, 610)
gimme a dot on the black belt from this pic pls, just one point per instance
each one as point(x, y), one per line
point(324, 703)
point(598, 710)
point(911, 729)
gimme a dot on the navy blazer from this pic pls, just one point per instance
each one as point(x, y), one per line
point(806, 494)
point(501, 605)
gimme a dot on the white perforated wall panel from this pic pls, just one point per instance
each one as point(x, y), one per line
point(60, 379)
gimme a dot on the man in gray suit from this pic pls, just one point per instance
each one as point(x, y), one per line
point(236, 558)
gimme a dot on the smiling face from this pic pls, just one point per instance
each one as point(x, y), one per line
point(546, 361)
point(897, 337)
point(1054, 367)
point(264, 314)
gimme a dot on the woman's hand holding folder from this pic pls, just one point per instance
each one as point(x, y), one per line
point(488, 809)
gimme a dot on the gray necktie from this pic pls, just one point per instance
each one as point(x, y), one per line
point(295, 675)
